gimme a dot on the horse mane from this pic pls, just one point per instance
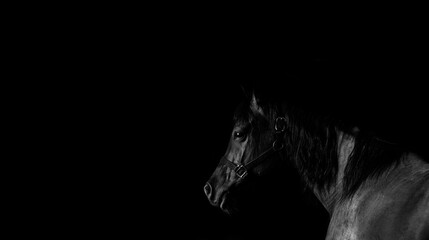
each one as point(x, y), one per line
point(311, 142)
point(370, 158)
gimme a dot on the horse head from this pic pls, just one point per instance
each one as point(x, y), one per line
point(256, 136)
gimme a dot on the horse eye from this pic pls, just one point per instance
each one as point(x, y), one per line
point(238, 135)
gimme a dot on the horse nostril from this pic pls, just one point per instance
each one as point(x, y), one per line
point(208, 189)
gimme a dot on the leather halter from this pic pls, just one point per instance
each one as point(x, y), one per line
point(242, 169)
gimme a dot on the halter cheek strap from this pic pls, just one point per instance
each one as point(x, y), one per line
point(242, 169)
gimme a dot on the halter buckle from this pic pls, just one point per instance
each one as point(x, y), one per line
point(280, 124)
point(241, 171)
point(278, 145)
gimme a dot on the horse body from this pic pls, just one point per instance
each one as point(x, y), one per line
point(392, 206)
point(371, 189)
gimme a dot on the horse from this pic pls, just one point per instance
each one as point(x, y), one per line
point(371, 188)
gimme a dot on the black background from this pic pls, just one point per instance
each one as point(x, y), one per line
point(372, 75)
point(149, 101)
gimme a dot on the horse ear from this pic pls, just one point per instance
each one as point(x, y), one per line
point(246, 92)
point(254, 105)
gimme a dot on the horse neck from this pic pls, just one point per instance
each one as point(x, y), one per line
point(332, 195)
point(411, 167)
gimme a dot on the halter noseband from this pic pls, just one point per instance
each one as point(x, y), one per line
point(242, 169)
